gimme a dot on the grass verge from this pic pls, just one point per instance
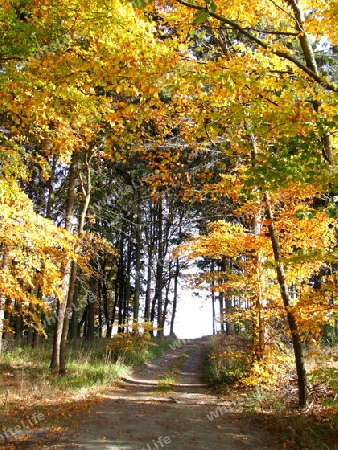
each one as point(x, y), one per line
point(28, 389)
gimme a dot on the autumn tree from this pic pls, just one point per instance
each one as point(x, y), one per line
point(267, 104)
point(33, 250)
point(75, 91)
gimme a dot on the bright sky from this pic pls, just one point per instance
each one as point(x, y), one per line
point(194, 316)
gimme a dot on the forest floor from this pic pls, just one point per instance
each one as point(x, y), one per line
point(164, 406)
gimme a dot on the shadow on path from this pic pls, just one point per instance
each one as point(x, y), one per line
point(134, 416)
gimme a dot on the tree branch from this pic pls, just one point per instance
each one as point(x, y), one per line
point(260, 43)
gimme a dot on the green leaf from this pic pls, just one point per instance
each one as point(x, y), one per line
point(201, 16)
point(332, 212)
point(305, 214)
point(213, 7)
point(139, 3)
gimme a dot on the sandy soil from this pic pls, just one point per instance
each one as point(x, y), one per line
point(136, 415)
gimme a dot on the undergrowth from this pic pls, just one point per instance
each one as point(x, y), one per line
point(26, 376)
point(269, 387)
point(136, 346)
point(227, 360)
point(27, 386)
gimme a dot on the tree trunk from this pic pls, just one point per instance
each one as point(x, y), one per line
point(30, 331)
point(83, 321)
point(138, 259)
point(74, 334)
point(50, 188)
point(2, 318)
point(258, 326)
point(150, 246)
point(221, 311)
point(61, 306)
point(113, 313)
point(119, 287)
point(107, 319)
point(296, 340)
point(86, 192)
point(229, 325)
point(311, 63)
point(127, 279)
point(18, 323)
point(36, 339)
point(167, 297)
point(91, 300)
point(213, 298)
point(100, 305)
point(175, 297)
point(159, 271)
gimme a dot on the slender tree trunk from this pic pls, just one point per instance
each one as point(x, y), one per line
point(61, 306)
point(221, 311)
point(113, 313)
point(127, 281)
point(258, 332)
point(213, 299)
point(30, 331)
point(100, 305)
point(150, 246)
point(50, 188)
point(159, 271)
point(311, 63)
point(153, 309)
point(167, 297)
point(75, 311)
point(138, 259)
point(175, 297)
point(18, 323)
point(83, 321)
point(221, 304)
point(86, 193)
point(2, 318)
point(107, 318)
point(91, 300)
point(229, 325)
point(119, 286)
point(259, 325)
point(296, 340)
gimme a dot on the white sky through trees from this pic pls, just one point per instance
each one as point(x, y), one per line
point(194, 316)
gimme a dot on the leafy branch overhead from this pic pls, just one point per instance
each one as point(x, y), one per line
point(253, 32)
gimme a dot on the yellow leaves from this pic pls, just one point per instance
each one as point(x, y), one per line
point(60, 95)
point(322, 21)
point(307, 234)
point(222, 239)
point(33, 248)
point(136, 338)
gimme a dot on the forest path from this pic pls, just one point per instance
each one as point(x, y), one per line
point(139, 414)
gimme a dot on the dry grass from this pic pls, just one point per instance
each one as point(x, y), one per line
point(26, 381)
point(27, 387)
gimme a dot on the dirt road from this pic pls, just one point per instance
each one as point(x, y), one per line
point(138, 415)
